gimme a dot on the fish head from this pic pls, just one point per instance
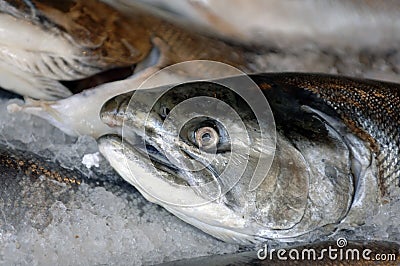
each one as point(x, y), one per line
point(196, 150)
point(189, 131)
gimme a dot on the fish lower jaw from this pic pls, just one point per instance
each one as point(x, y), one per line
point(237, 234)
point(222, 223)
point(213, 217)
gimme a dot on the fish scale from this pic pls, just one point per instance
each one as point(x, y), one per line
point(45, 42)
point(12, 160)
point(370, 108)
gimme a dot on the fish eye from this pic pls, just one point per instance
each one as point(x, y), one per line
point(206, 137)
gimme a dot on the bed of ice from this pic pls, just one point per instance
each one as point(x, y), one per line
point(96, 226)
point(104, 225)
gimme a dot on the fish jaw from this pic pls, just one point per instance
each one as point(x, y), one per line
point(213, 217)
point(261, 220)
point(78, 114)
point(133, 168)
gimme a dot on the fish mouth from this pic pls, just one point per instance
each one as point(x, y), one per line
point(181, 168)
point(148, 150)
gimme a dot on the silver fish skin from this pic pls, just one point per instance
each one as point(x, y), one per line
point(335, 162)
point(45, 42)
point(362, 24)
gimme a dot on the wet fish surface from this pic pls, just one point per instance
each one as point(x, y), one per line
point(31, 184)
point(45, 44)
point(373, 139)
point(104, 220)
point(362, 24)
point(369, 108)
point(152, 42)
point(22, 174)
point(335, 162)
point(26, 198)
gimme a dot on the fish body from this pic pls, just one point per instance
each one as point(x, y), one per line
point(155, 44)
point(335, 158)
point(368, 108)
point(44, 42)
point(32, 186)
point(362, 24)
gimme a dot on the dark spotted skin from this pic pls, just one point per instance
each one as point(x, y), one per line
point(31, 184)
point(371, 109)
point(15, 161)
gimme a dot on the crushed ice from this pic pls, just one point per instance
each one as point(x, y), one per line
point(111, 227)
point(97, 226)
point(91, 159)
